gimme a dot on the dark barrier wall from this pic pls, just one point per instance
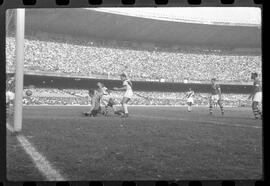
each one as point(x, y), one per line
point(85, 83)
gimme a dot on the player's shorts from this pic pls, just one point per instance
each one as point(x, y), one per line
point(128, 94)
point(214, 98)
point(190, 100)
point(257, 97)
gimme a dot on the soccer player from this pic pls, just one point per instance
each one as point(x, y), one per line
point(106, 98)
point(256, 96)
point(215, 96)
point(127, 87)
point(10, 95)
point(95, 103)
point(190, 100)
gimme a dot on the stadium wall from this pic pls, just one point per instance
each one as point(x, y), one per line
point(86, 83)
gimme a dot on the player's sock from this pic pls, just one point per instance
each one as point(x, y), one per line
point(221, 107)
point(222, 110)
point(106, 110)
point(257, 113)
point(125, 108)
point(211, 109)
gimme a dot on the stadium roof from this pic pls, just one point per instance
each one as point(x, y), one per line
point(138, 25)
point(234, 16)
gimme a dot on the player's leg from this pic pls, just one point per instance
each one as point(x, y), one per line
point(103, 102)
point(124, 105)
point(220, 103)
point(119, 111)
point(110, 104)
point(211, 102)
point(189, 106)
point(256, 111)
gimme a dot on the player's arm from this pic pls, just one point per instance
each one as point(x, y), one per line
point(121, 88)
point(219, 91)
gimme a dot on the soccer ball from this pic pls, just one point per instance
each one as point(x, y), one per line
point(29, 93)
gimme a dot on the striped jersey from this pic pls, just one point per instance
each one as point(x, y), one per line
point(190, 94)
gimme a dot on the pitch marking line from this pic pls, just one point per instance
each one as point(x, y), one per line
point(39, 160)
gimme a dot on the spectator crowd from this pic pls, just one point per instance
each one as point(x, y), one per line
point(73, 56)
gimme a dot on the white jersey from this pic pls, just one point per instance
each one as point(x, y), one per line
point(128, 85)
point(105, 93)
point(9, 96)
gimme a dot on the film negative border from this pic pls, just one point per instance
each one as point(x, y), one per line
point(7, 4)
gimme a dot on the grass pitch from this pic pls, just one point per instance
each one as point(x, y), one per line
point(154, 143)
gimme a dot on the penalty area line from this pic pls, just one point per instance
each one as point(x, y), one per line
point(43, 165)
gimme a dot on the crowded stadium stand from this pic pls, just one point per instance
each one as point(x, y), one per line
point(153, 45)
point(90, 57)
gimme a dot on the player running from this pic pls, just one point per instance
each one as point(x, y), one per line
point(256, 96)
point(215, 96)
point(127, 87)
point(95, 103)
point(190, 100)
point(106, 98)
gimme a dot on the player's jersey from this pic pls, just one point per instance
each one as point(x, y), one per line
point(127, 83)
point(190, 94)
point(105, 91)
point(257, 86)
point(95, 101)
point(215, 89)
point(9, 96)
point(11, 85)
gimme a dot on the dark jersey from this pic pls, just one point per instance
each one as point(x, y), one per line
point(95, 101)
point(257, 85)
point(215, 89)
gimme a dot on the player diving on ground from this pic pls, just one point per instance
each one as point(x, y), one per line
point(95, 97)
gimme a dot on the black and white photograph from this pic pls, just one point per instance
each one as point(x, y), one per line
point(168, 93)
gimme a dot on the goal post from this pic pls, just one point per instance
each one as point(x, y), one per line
point(19, 56)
